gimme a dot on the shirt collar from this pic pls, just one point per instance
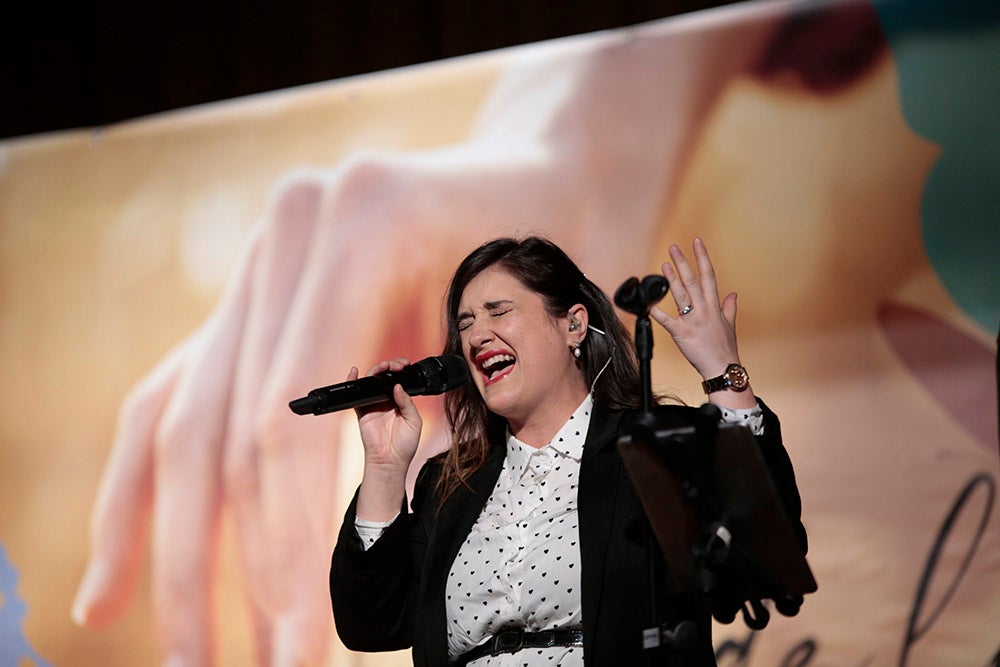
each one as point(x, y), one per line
point(570, 438)
point(568, 441)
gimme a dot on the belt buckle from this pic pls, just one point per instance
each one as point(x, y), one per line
point(502, 643)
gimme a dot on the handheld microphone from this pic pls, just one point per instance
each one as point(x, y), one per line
point(431, 376)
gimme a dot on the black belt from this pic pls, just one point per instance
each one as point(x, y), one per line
point(512, 641)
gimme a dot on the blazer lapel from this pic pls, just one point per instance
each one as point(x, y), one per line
point(600, 471)
point(451, 527)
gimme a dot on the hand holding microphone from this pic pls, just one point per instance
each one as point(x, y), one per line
point(389, 421)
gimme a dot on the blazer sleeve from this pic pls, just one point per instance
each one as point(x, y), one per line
point(780, 466)
point(374, 592)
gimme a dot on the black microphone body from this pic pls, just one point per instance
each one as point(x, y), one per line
point(430, 376)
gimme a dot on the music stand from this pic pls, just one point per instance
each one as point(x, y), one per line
point(717, 517)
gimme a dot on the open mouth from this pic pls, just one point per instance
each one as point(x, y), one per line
point(495, 366)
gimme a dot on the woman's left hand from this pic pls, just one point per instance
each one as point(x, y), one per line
point(705, 327)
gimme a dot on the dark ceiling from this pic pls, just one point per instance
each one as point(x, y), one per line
point(92, 63)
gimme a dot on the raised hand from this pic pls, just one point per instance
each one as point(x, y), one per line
point(704, 328)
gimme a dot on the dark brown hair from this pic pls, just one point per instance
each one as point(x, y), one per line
point(545, 269)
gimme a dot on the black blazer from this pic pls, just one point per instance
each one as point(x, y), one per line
point(392, 596)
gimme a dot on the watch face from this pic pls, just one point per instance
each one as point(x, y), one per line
point(737, 376)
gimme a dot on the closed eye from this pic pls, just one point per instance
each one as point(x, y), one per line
point(465, 318)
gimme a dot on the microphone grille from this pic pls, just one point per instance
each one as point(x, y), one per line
point(444, 373)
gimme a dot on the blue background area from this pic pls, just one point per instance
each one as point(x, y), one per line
point(14, 645)
point(948, 57)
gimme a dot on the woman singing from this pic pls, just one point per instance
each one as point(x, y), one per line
point(525, 543)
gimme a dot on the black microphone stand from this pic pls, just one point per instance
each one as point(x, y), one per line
point(638, 298)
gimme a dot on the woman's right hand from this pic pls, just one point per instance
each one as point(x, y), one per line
point(390, 433)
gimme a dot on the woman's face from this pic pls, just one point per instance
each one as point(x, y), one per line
point(519, 355)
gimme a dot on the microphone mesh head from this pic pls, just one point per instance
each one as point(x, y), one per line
point(444, 373)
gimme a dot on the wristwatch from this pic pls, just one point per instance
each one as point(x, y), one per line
point(735, 377)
